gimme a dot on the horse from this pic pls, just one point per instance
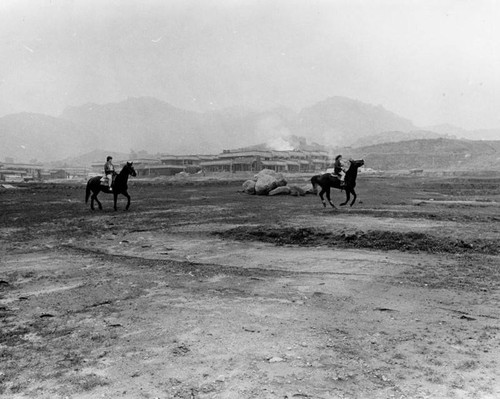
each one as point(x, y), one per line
point(119, 186)
point(327, 180)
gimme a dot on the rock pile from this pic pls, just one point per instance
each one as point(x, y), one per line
point(269, 182)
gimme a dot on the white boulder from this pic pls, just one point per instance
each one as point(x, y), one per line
point(283, 190)
point(249, 187)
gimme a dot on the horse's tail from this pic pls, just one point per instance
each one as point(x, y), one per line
point(314, 182)
point(87, 193)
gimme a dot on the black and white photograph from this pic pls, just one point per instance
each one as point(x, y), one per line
point(250, 199)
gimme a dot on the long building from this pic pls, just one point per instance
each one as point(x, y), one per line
point(256, 160)
point(231, 161)
point(19, 172)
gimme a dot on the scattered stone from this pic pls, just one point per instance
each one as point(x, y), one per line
point(265, 184)
point(385, 310)
point(350, 235)
point(249, 187)
point(265, 181)
point(251, 329)
point(180, 350)
point(297, 191)
point(284, 190)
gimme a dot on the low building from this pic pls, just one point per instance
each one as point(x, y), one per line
point(256, 160)
point(19, 172)
point(217, 165)
point(55, 174)
point(232, 161)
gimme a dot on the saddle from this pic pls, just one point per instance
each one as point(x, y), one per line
point(104, 181)
point(342, 183)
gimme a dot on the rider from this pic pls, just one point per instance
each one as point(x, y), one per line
point(109, 171)
point(338, 169)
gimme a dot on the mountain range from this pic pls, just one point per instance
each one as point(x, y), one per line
point(430, 154)
point(154, 127)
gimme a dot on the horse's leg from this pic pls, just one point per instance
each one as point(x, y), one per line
point(128, 200)
point(347, 196)
point(328, 197)
point(94, 197)
point(354, 195)
point(115, 198)
point(321, 196)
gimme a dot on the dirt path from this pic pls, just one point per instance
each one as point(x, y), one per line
point(169, 310)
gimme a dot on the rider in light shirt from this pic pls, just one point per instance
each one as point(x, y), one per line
point(109, 171)
point(339, 169)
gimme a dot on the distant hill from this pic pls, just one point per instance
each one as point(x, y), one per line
point(433, 154)
point(457, 132)
point(150, 125)
point(139, 123)
point(34, 138)
point(89, 158)
point(342, 121)
point(394, 137)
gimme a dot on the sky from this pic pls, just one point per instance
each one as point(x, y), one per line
point(431, 61)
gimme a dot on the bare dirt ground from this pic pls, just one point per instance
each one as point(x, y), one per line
point(200, 291)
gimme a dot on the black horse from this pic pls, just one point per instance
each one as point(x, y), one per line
point(327, 180)
point(119, 186)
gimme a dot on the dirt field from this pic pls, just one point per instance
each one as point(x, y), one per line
point(201, 291)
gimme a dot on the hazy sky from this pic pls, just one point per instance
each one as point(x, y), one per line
point(432, 61)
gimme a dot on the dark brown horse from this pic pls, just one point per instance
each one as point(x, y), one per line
point(119, 186)
point(327, 181)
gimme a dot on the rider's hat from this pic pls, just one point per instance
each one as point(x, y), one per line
point(109, 157)
point(338, 156)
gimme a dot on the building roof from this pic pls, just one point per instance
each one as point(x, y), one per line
point(241, 154)
point(8, 165)
point(183, 157)
point(147, 161)
point(217, 162)
point(162, 166)
point(244, 161)
point(274, 163)
point(13, 171)
point(281, 154)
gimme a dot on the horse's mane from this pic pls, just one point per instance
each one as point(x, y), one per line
point(126, 169)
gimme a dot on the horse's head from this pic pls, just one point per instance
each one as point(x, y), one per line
point(130, 169)
point(357, 162)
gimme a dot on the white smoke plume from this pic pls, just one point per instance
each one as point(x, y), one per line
point(279, 144)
